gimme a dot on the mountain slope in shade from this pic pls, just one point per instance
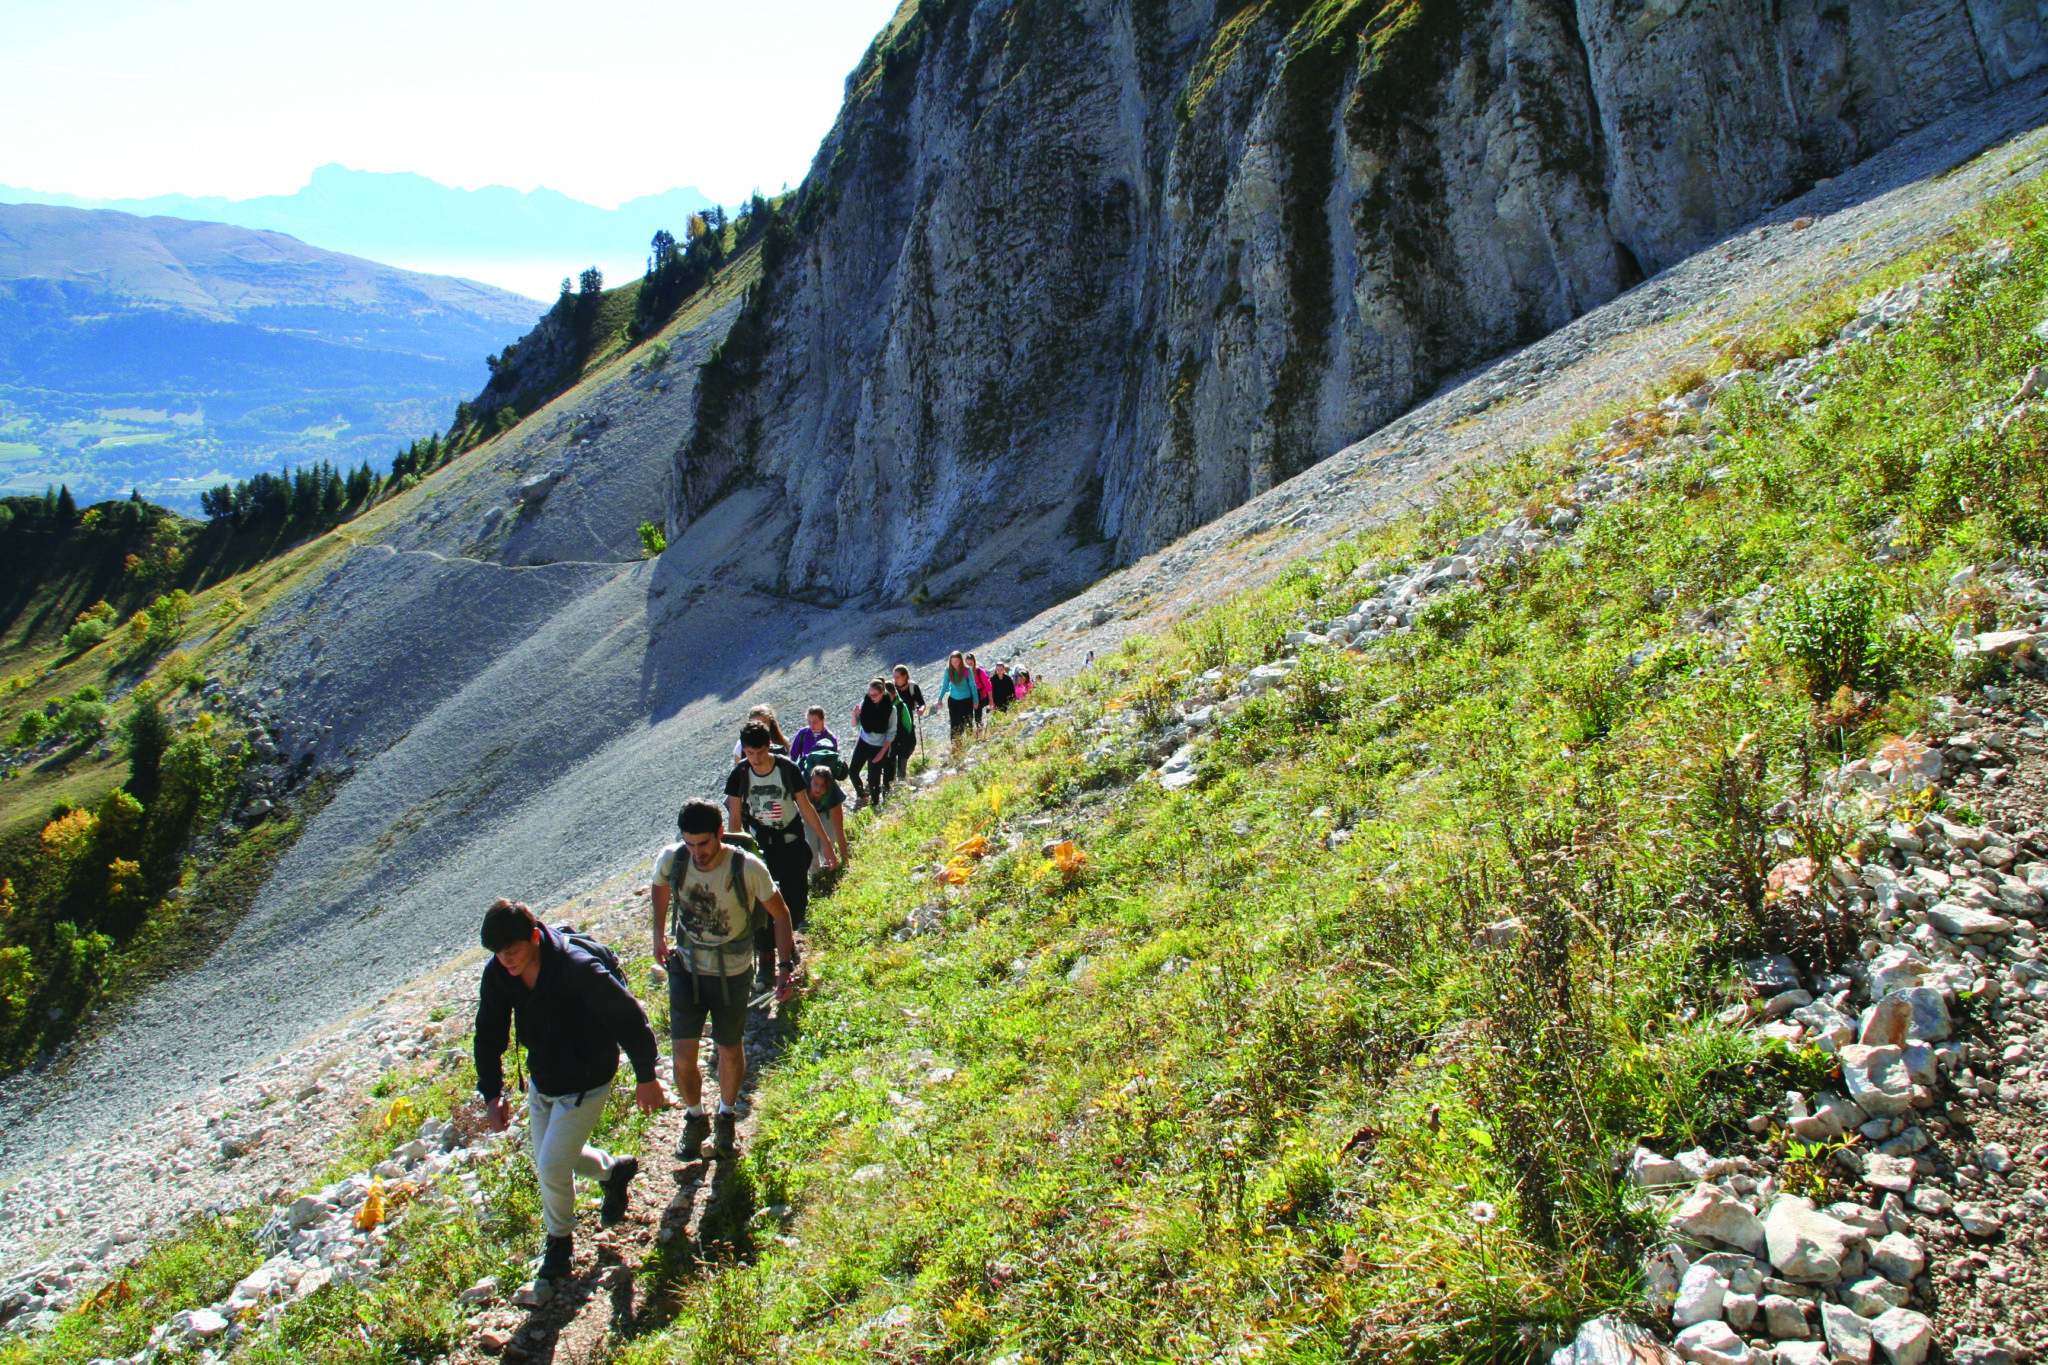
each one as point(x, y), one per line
point(162, 353)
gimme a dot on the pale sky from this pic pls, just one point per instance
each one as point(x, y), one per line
point(602, 100)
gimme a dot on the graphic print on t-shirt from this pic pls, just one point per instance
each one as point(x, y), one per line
point(702, 913)
point(769, 799)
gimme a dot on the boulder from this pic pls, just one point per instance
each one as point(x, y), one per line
point(1805, 1244)
point(1979, 1220)
point(1613, 1340)
point(1894, 969)
point(203, 1324)
point(1772, 975)
point(1886, 1023)
point(1711, 1343)
point(1883, 1172)
point(1800, 1353)
point(1700, 1295)
point(1847, 1335)
point(1952, 917)
point(1904, 1335)
point(1784, 1318)
point(1980, 1351)
point(1711, 1214)
point(1898, 1258)
point(1874, 1295)
point(1647, 1170)
point(1877, 1079)
point(1931, 1199)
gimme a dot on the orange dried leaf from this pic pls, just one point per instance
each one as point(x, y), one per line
point(372, 1211)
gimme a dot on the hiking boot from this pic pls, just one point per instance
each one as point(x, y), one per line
point(615, 1191)
point(554, 1263)
point(723, 1145)
point(696, 1128)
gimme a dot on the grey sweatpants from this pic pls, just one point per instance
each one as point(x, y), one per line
point(560, 1129)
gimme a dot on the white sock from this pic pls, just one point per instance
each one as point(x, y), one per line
point(724, 1108)
point(694, 1111)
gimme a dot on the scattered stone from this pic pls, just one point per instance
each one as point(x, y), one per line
point(1898, 1258)
point(1847, 1335)
point(1877, 1079)
point(1888, 1172)
point(1607, 1340)
point(1904, 1334)
point(1711, 1214)
point(1978, 1351)
point(1806, 1244)
point(1700, 1296)
point(1931, 1199)
point(1711, 1343)
point(1647, 1170)
point(1784, 1318)
point(1979, 1220)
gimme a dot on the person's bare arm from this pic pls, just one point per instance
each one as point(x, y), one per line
point(839, 831)
point(658, 916)
point(785, 943)
point(734, 818)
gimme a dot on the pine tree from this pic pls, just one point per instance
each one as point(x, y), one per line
point(592, 281)
point(67, 506)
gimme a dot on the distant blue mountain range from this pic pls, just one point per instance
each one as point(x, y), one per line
point(167, 355)
point(512, 238)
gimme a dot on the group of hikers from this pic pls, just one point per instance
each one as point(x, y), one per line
point(725, 905)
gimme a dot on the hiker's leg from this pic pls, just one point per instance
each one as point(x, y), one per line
point(571, 1129)
point(686, 1012)
point(732, 1071)
point(728, 1033)
point(790, 865)
point(689, 1079)
point(558, 1127)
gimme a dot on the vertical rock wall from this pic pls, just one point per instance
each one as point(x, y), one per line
point(1141, 259)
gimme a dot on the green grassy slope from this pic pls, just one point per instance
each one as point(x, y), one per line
point(1241, 1074)
point(1244, 1080)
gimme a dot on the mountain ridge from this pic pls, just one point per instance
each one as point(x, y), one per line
point(408, 218)
point(166, 354)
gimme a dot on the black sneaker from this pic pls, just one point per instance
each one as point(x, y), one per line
point(615, 1191)
point(554, 1264)
point(696, 1128)
point(723, 1145)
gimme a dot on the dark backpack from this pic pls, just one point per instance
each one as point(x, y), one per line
point(601, 953)
point(824, 755)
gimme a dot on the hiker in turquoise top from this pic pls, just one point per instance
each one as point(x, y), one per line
point(959, 691)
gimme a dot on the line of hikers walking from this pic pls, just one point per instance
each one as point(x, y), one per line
point(725, 906)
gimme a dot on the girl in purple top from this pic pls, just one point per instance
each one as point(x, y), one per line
point(808, 738)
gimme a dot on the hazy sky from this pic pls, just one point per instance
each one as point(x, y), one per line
point(600, 99)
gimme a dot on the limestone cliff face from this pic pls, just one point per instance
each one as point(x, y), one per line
point(1106, 268)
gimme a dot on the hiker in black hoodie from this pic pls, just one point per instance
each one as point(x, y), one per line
point(573, 1016)
point(876, 720)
